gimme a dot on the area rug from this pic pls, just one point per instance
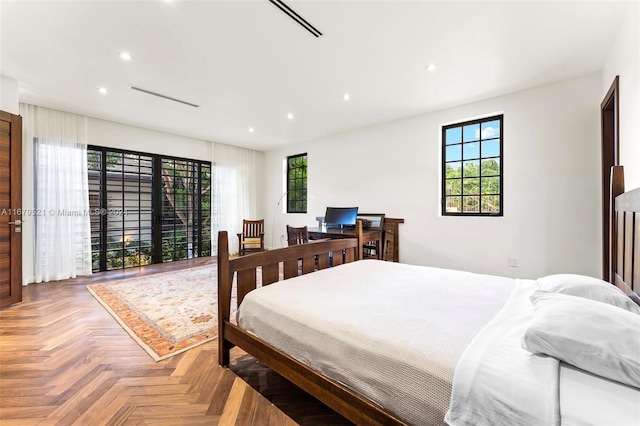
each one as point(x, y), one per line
point(166, 313)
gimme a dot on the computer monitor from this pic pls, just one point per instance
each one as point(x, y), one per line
point(340, 217)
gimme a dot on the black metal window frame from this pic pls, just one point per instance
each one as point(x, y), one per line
point(297, 183)
point(110, 190)
point(99, 202)
point(463, 190)
point(169, 236)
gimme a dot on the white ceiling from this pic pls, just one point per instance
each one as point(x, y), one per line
point(247, 64)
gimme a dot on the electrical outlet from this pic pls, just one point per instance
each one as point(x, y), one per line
point(513, 262)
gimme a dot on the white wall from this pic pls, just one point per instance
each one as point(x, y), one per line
point(122, 136)
point(551, 220)
point(624, 60)
point(9, 95)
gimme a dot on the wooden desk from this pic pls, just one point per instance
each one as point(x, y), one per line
point(387, 238)
point(367, 235)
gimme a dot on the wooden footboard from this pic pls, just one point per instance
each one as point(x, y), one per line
point(292, 261)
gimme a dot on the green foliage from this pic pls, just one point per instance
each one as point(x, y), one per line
point(297, 184)
point(474, 187)
point(124, 254)
point(491, 167)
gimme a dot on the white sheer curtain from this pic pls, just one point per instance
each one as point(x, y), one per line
point(60, 204)
point(234, 191)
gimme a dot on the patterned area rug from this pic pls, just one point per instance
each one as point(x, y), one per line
point(166, 313)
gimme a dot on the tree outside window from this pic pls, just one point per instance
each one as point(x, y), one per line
point(472, 168)
point(297, 183)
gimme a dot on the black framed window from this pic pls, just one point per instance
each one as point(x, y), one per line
point(472, 164)
point(152, 208)
point(186, 209)
point(297, 183)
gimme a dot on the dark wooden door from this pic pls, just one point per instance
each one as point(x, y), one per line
point(10, 209)
point(610, 123)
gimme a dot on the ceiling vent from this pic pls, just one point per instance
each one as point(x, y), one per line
point(148, 92)
point(296, 17)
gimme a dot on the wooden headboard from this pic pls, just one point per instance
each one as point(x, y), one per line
point(624, 265)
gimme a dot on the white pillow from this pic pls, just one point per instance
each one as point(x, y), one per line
point(589, 287)
point(590, 335)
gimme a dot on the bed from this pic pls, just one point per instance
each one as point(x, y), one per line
point(387, 343)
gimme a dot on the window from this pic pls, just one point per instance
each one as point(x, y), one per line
point(297, 183)
point(120, 189)
point(186, 209)
point(472, 168)
point(152, 209)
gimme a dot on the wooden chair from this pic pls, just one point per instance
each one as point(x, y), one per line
point(375, 221)
point(252, 237)
point(297, 235)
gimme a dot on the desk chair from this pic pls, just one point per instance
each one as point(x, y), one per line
point(299, 235)
point(373, 249)
point(252, 237)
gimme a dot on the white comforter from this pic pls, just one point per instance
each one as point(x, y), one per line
point(393, 332)
point(497, 382)
point(410, 328)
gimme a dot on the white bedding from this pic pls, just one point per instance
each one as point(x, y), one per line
point(412, 326)
point(587, 399)
point(399, 346)
point(497, 382)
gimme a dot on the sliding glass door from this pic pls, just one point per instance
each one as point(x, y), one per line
point(186, 209)
point(147, 208)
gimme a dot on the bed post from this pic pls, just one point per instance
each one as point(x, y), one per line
point(617, 188)
point(224, 297)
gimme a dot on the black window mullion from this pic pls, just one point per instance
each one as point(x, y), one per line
point(122, 244)
point(199, 205)
point(156, 208)
point(103, 205)
point(173, 228)
point(140, 213)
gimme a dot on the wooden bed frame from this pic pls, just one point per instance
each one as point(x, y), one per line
point(624, 249)
point(625, 267)
point(313, 256)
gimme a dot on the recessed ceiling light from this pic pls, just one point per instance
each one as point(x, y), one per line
point(290, 116)
point(102, 90)
point(250, 129)
point(346, 97)
point(431, 67)
point(126, 56)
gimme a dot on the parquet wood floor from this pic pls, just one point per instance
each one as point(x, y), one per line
point(65, 361)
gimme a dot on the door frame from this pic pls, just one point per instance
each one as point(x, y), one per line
point(15, 121)
point(610, 138)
